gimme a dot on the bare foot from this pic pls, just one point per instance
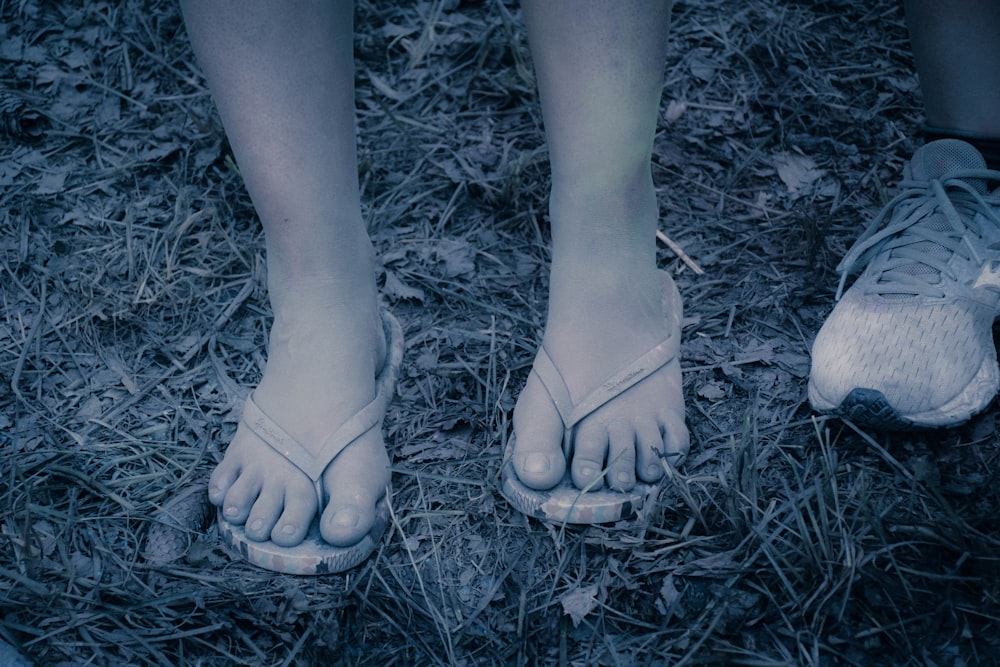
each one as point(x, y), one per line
point(603, 316)
point(324, 353)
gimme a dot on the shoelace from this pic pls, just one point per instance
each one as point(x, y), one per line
point(957, 200)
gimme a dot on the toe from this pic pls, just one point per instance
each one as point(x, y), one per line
point(538, 432)
point(539, 469)
point(240, 497)
point(348, 519)
point(590, 447)
point(538, 464)
point(621, 457)
point(649, 452)
point(355, 482)
point(676, 441)
point(223, 477)
point(298, 512)
point(263, 516)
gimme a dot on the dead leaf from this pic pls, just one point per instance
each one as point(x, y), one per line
point(458, 257)
point(713, 391)
point(395, 290)
point(580, 602)
point(762, 353)
point(51, 183)
point(796, 171)
point(670, 596)
point(675, 109)
point(703, 67)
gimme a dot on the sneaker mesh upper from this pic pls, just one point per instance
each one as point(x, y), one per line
point(916, 325)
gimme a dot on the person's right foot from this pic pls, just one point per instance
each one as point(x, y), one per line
point(323, 357)
point(910, 344)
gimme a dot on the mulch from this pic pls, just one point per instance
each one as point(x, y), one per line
point(133, 320)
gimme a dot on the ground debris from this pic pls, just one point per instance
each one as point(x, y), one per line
point(134, 320)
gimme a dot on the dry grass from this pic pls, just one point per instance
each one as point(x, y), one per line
point(133, 319)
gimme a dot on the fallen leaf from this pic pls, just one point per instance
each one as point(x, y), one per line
point(671, 596)
point(675, 109)
point(702, 67)
point(395, 290)
point(51, 183)
point(458, 257)
point(796, 171)
point(580, 602)
point(713, 391)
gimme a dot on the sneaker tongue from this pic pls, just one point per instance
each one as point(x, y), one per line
point(933, 161)
point(938, 159)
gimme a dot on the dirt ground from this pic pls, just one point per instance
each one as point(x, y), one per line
point(133, 319)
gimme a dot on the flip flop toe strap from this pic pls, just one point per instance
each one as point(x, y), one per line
point(292, 450)
point(363, 421)
point(572, 414)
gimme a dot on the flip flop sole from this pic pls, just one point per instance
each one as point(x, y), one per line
point(314, 555)
point(567, 504)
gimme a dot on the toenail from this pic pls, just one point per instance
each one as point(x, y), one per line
point(536, 462)
point(587, 472)
point(624, 478)
point(289, 529)
point(653, 470)
point(346, 517)
point(232, 510)
point(257, 525)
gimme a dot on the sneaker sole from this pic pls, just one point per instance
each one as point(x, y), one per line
point(870, 408)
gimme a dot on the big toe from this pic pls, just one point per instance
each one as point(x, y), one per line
point(356, 481)
point(347, 520)
point(221, 480)
point(537, 443)
point(537, 463)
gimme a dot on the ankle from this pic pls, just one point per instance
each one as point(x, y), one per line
point(604, 296)
point(604, 235)
point(300, 251)
point(347, 267)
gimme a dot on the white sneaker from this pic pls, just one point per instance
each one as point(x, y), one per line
point(910, 344)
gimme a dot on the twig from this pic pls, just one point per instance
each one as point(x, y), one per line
point(677, 250)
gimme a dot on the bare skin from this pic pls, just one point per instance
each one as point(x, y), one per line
point(282, 77)
point(600, 68)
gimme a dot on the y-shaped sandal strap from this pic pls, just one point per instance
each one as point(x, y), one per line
point(611, 388)
point(280, 441)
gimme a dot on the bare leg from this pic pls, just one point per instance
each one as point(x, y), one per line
point(600, 74)
point(956, 45)
point(282, 75)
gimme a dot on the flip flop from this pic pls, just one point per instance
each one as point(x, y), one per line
point(314, 555)
point(565, 503)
